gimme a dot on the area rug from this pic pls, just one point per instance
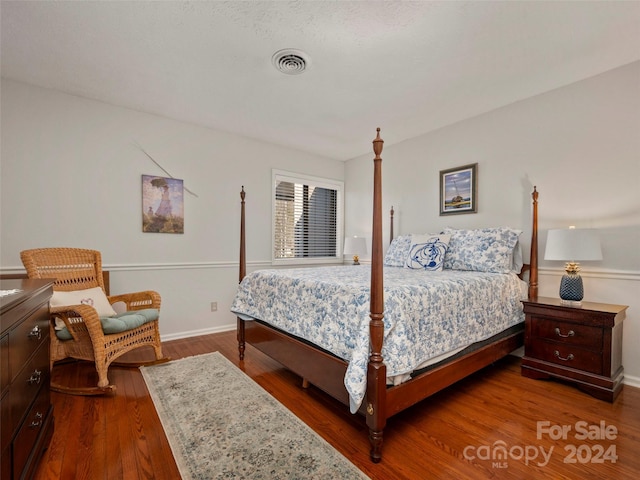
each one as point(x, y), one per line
point(221, 424)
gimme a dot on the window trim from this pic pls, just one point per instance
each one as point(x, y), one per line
point(338, 185)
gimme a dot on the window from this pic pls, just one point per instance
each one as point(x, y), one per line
point(307, 219)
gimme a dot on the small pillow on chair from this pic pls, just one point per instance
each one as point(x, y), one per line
point(118, 323)
point(94, 297)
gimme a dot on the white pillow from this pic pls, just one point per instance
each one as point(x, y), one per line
point(517, 261)
point(427, 252)
point(94, 297)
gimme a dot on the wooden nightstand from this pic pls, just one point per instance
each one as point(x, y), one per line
point(579, 344)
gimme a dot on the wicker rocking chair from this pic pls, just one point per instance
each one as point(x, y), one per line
point(79, 331)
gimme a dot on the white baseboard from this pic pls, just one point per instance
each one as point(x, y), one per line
point(631, 381)
point(196, 333)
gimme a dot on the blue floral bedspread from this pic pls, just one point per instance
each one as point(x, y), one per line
point(425, 313)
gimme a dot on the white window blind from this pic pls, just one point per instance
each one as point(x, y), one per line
point(307, 219)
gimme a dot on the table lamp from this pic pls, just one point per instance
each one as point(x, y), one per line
point(355, 246)
point(572, 245)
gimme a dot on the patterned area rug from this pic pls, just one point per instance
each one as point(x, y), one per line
point(221, 424)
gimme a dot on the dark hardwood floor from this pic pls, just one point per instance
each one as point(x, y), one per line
point(455, 434)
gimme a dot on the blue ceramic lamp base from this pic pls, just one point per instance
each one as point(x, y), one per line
point(571, 289)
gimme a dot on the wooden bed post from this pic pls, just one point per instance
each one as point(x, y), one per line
point(242, 273)
point(376, 369)
point(533, 259)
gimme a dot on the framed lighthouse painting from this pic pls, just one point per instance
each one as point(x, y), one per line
point(458, 190)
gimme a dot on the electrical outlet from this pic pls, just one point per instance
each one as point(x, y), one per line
point(214, 306)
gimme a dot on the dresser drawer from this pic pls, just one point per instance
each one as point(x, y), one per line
point(567, 333)
point(27, 337)
point(567, 356)
point(31, 429)
point(26, 386)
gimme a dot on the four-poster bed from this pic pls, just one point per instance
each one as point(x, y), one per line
point(355, 371)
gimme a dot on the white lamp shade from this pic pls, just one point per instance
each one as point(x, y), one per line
point(573, 244)
point(355, 246)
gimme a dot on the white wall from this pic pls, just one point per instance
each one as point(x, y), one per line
point(71, 176)
point(579, 144)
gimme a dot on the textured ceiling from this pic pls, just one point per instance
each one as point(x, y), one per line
point(408, 67)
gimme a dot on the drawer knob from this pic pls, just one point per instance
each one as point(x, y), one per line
point(571, 333)
point(564, 359)
point(36, 332)
point(37, 420)
point(35, 377)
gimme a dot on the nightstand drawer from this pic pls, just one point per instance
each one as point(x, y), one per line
point(568, 333)
point(567, 356)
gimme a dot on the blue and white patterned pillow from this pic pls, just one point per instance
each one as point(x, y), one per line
point(427, 252)
point(481, 250)
point(398, 251)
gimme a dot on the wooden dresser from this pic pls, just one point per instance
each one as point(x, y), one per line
point(26, 413)
point(578, 344)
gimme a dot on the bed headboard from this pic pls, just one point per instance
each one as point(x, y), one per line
point(532, 266)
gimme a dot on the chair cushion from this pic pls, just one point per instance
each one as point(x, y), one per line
point(119, 323)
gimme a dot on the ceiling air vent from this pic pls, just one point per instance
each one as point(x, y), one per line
point(290, 61)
